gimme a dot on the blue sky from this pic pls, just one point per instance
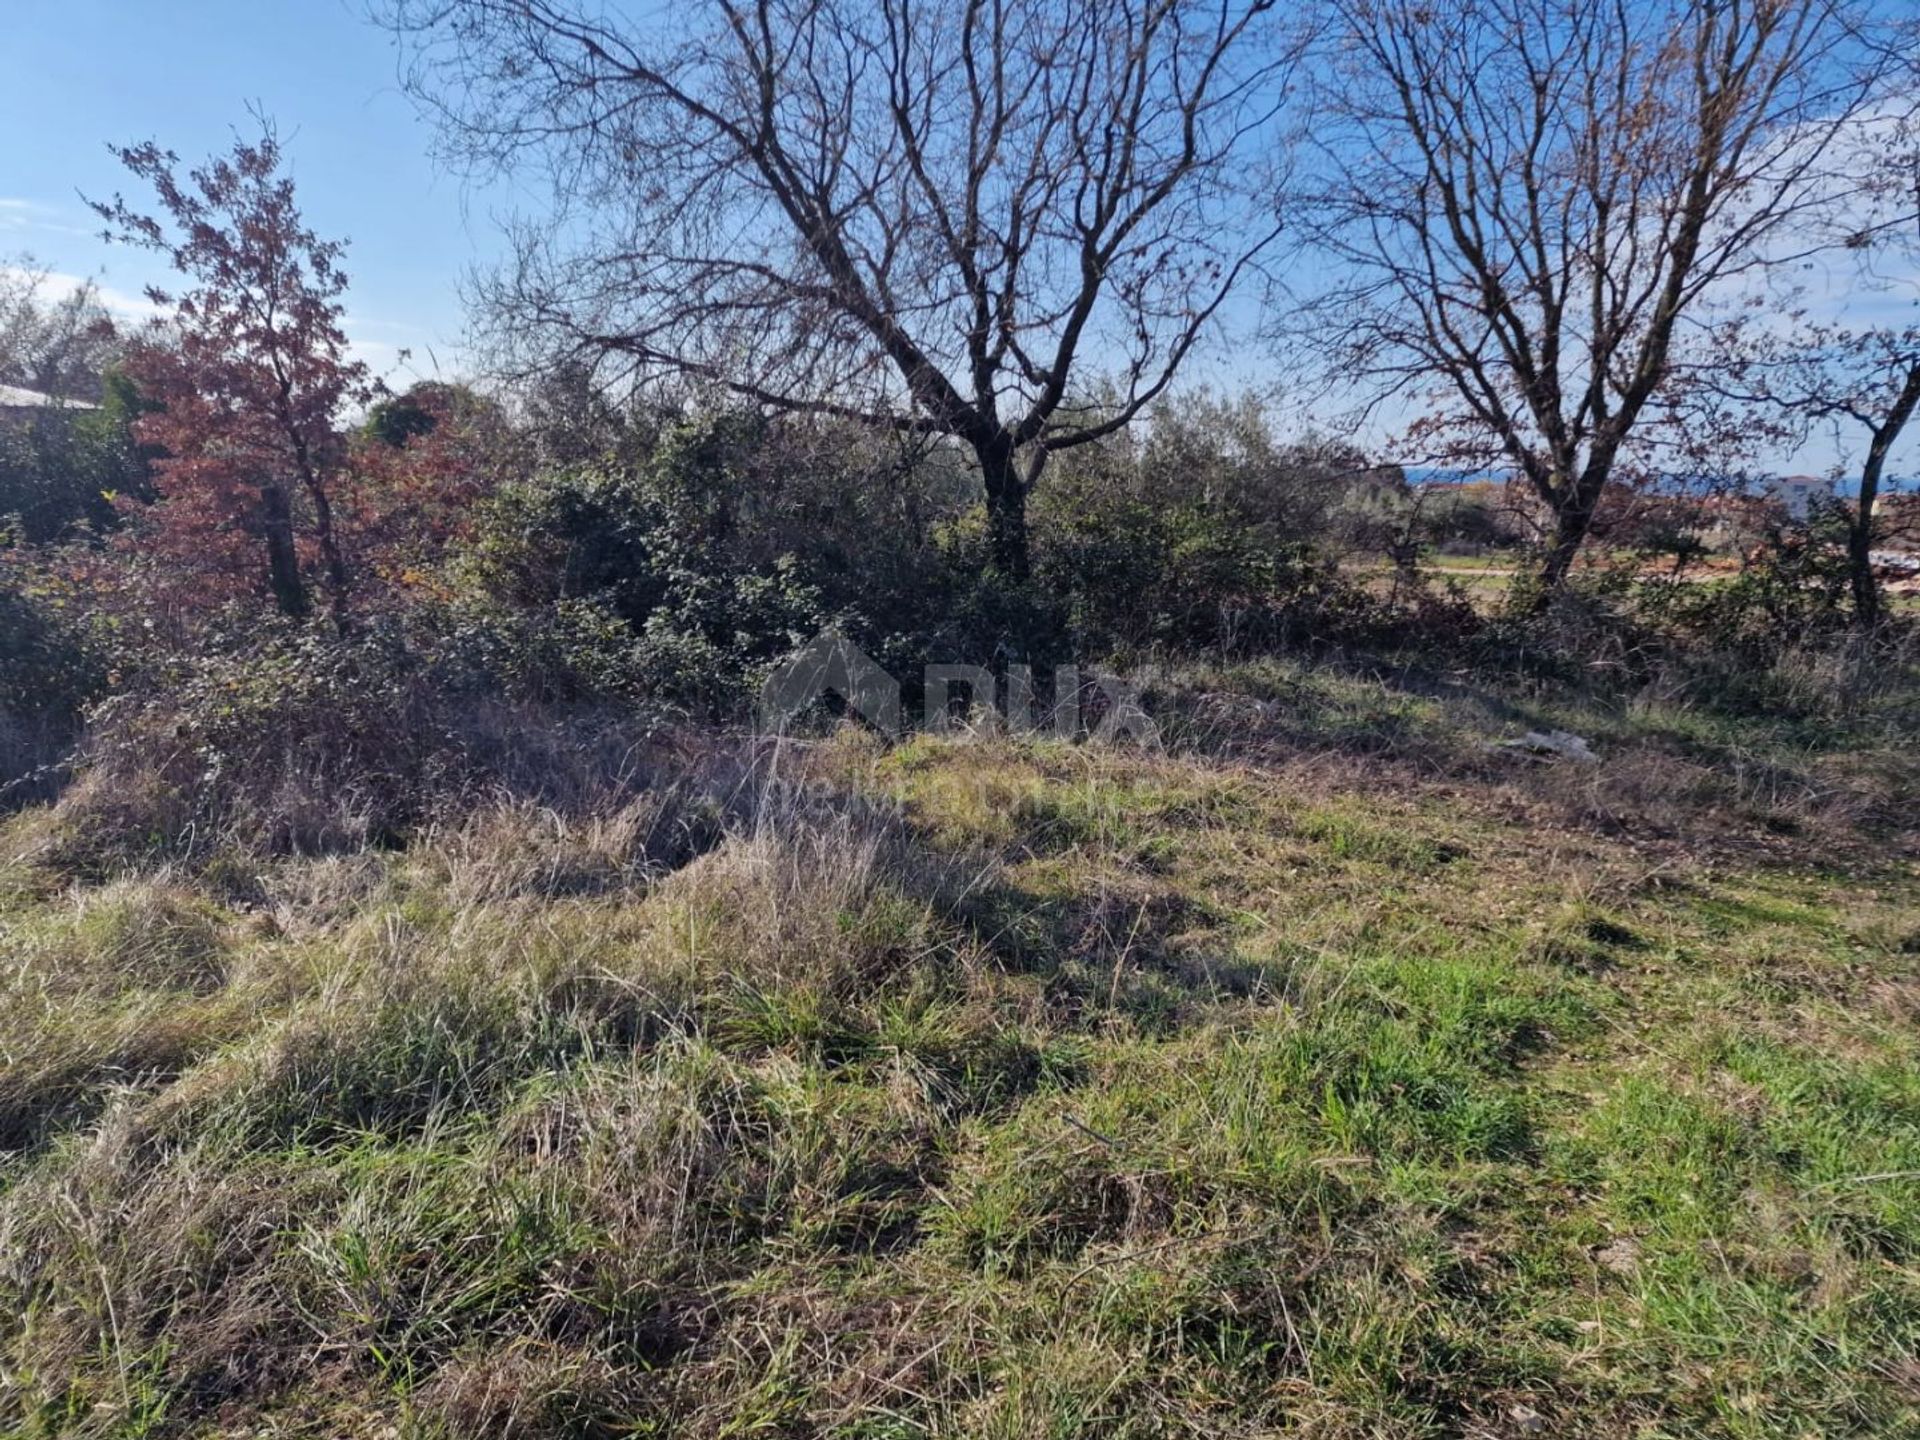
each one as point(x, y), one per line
point(78, 74)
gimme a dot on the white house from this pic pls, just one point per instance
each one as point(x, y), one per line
point(16, 400)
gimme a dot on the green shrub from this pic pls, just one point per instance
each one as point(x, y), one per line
point(734, 543)
point(738, 537)
point(1793, 590)
point(49, 671)
point(64, 470)
point(1137, 575)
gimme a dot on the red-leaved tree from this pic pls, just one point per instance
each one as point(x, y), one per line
point(419, 465)
point(251, 371)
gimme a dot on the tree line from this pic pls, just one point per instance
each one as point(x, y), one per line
point(1539, 226)
point(1570, 239)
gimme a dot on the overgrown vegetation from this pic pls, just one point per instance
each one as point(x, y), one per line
point(977, 1086)
point(1478, 996)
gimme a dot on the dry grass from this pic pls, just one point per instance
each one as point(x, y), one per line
point(1367, 1085)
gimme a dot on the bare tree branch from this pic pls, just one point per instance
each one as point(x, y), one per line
point(937, 213)
point(1527, 197)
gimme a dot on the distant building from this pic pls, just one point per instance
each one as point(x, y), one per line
point(18, 405)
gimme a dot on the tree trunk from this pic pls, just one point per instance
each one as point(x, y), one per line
point(1571, 523)
point(1006, 507)
point(330, 552)
point(316, 490)
point(283, 560)
point(1569, 533)
point(1572, 519)
point(1866, 590)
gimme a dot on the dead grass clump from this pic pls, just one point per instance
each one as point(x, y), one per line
point(111, 987)
point(123, 1264)
point(328, 753)
point(517, 849)
point(62, 1065)
point(313, 895)
point(133, 934)
point(149, 933)
point(836, 903)
point(529, 1389)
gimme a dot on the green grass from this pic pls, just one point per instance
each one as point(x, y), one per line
point(1233, 1090)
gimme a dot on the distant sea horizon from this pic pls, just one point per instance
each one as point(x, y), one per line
point(1425, 475)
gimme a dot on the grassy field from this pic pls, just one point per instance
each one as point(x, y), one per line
point(1321, 1073)
point(1486, 581)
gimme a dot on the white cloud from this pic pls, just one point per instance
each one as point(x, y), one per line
point(399, 360)
point(57, 285)
point(21, 216)
point(16, 211)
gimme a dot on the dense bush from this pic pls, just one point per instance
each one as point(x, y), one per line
point(737, 539)
point(49, 671)
point(1792, 588)
point(1211, 537)
point(1778, 636)
point(1139, 576)
point(1772, 641)
point(705, 616)
point(293, 738)
point(618, 568)
point(1468, 519)
point(733, 542)
point(65, 470)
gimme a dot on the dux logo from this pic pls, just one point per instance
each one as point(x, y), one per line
point(1103, 707)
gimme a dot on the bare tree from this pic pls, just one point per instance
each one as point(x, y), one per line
point(1841, 360)
point(934, 213)
point(57, 344)
point(1858, 387)
point(1527, 199)
point(1883, 366)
